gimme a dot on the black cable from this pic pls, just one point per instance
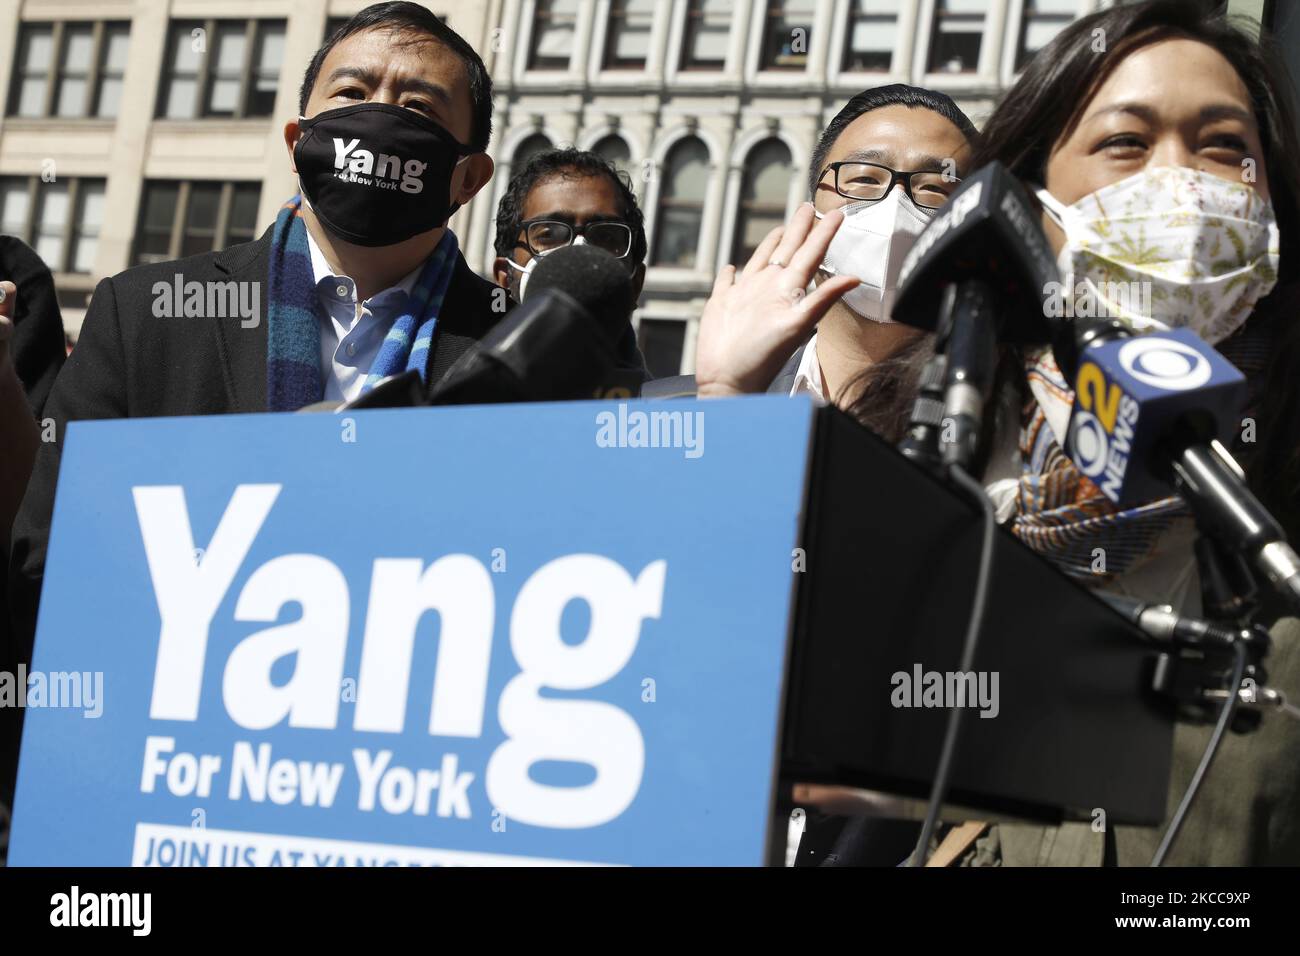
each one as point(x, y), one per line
point(1225, 717)
point(940, 788)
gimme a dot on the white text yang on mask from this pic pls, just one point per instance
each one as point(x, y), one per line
point(386, 173)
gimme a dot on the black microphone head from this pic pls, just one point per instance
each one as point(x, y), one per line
point(987, 230)
point(599, 283)
point(547, 349)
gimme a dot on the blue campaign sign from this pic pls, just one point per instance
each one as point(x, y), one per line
point(497, 635)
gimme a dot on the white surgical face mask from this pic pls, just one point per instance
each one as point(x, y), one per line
point(870, 245)
point(527, 270)
point(1169, 247)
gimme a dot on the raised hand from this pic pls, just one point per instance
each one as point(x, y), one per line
point(754, 321)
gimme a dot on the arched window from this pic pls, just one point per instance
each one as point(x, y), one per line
point(530, 147)
point(614, 150)
point(763, 192)
point(681, 204)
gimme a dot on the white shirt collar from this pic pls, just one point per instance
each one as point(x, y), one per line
point(808, 376)
point(320, 269)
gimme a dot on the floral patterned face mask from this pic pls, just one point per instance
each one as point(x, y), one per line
point(1170, 247)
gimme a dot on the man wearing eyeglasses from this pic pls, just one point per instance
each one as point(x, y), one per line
point(888, 160)
point(567, 197)
point(883, 165)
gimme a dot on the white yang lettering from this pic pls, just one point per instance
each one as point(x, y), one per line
point(191, 584)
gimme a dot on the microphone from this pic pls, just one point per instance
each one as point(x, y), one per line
point(405, 390)
point(548, 349)
point(980, 272)
point(1163, 623)
point(602, 285)
point(561, 343)
point(596, 280)
point(1152, 413)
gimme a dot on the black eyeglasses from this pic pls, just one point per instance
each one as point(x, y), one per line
point(928, 188)
point(542, 236)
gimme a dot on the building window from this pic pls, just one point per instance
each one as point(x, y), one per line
point(681, 205)
point(179, 219)
point(614, 150)
point(530, 147)
point(33, 65)
point(60, 220)
point(221, 68)
point(661, 343)
point(74, 70)
point(763, 194)
point(112, 68)
point(554, 27)
point(708, 30)
point(957, 35)
point(627, 38)
point(786, 29)
point(1042, 20)
point(69, 70)
point(872, 32)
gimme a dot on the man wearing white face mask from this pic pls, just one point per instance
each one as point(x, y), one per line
point(887, 161)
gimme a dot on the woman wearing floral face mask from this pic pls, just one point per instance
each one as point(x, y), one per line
point(1160, 142)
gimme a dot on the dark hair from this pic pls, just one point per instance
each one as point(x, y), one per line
point(417, 21)
point(896, 94)
point(569, 163)
point(1049, 100)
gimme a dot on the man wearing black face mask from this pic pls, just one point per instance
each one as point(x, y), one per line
point(359, 277)
point(395, 115)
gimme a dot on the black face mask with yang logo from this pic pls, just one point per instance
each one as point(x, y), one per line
point(377, 174)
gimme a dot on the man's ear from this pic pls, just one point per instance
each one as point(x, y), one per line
point(291, 134)
point(478, 170)
point(501, 272)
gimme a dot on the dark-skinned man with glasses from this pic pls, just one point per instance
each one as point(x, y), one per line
point(567, 197)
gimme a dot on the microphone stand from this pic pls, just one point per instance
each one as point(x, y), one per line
point(1197, 672)
point(923, 441)
point(966, 323)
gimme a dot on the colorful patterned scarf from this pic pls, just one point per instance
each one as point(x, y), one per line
point(1063, 515)
point(294, 315)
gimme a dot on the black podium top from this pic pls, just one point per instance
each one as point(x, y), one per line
point(892, 555)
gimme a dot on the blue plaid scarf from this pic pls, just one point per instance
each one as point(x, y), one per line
point(294, 314)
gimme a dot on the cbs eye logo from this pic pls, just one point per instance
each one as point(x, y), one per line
point(1089, 444)
point(1164, 363)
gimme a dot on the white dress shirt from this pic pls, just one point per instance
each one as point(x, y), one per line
point(808, 376)
point(350, 342)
